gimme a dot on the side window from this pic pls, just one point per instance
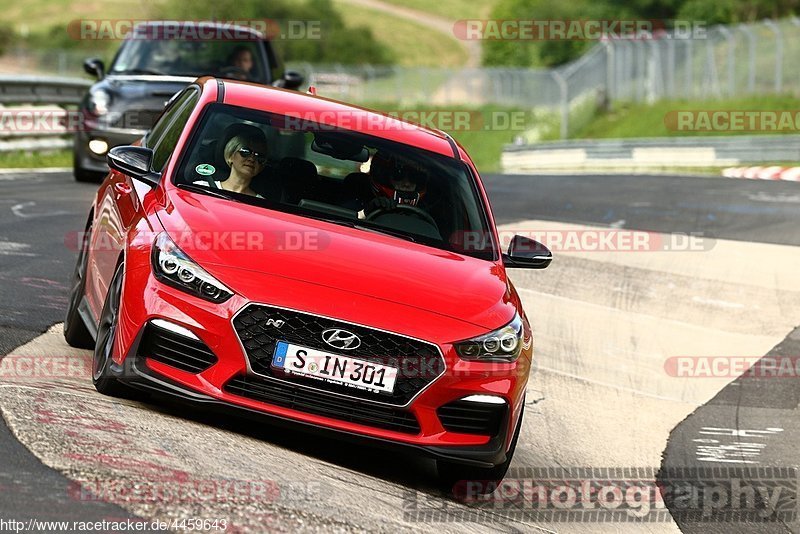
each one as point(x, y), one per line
point(164, 136)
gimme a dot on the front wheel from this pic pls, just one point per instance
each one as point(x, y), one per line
point(469, 482)
point(75, 332)
point(86, 176)
point(104, 381)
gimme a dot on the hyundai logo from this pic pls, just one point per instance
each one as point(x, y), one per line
point(340, 339)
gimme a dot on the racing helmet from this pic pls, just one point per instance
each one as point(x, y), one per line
point(386, 170)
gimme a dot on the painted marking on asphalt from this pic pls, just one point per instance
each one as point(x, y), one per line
point(17, 209)
point(733, 452)
point(21, 172)
point(761, 196)
point(11, 248)
point(714, 431)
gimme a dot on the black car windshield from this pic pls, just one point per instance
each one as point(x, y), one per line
point(343, 176)
point(241, 60)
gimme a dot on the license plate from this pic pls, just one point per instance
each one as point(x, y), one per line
point(334, 368)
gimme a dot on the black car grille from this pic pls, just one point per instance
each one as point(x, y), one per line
point(418, 363)
point(321, 403)
point(472, 417)
point(175, 350)
point(137, 119)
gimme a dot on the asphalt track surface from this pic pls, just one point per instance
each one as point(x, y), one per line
point(604, 322)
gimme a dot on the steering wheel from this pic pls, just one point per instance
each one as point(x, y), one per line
point(405, 209)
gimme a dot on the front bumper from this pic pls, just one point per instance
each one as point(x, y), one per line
point(212, 324)
point(87, 160)
point(138, 376)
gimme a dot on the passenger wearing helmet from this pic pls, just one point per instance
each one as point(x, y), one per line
point(395, 182)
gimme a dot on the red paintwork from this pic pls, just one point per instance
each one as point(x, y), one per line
point(435, 295)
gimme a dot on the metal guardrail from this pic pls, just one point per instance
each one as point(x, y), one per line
point(32, 91)
point(42, 90)
point(651, 153)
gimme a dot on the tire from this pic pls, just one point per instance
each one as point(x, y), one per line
point(465, 482)
point(75, 332)
point(85, 176)
point(104, 381)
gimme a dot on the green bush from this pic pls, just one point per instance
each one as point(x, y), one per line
point(552, 53)
point(6, 37)
point(338, 43)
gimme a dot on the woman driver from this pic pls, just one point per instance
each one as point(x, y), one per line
point(246, 155)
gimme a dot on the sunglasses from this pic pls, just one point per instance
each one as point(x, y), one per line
point(260, 157)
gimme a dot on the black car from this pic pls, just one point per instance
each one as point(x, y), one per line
point(150, 67)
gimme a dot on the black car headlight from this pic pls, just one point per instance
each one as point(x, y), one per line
point(501, 345)
point(173, 267)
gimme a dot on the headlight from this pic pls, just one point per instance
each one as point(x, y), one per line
point(172, 266)
point(99, 102)
point(502, 345)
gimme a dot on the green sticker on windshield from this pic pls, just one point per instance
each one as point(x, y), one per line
point(205, 169)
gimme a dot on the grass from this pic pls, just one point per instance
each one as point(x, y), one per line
point(411, 43)
point(450, 9)
point(31, 160)
point(37, 14)
point(650, 120)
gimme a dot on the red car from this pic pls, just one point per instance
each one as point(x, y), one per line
point(321, 265)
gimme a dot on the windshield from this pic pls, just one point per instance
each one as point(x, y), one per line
point(241, 60)
point(342, 176)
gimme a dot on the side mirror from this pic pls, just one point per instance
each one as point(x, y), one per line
point(291, 80)
point(525, 253)
point(135, 161)
point(95, 67)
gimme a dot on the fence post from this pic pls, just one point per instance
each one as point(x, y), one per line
point(778, 54)
point(731, 71)
point(610, 72)
point(564, 89)
point(751, 57)
point(671, 67)
point(689, 67)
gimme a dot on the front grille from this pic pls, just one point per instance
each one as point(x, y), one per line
point(468, 417)
point(138, 119)
point(419, 363)
point(321, 403)
point(175, 350)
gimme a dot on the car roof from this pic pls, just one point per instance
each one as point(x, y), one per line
point(330, 112)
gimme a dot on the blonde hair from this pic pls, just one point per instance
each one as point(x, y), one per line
point(238, 141)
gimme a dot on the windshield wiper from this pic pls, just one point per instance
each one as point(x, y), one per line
point(354, 224)
point(386, 231)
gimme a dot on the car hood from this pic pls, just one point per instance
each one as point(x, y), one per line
point(221, 235)
point(146, 95)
